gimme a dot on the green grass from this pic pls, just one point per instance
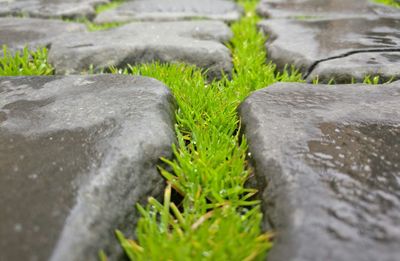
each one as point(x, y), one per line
point(99, 9)
point(218, 217)
point(93, 26)
point(389, 2)
point(368, 79)
point(24, 62)
point(111, 5)
point(97, 27)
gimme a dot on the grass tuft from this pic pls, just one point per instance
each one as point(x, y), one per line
point(93, 26)
point(393, 3)
point(99, 9)
point(25, 62)
point(111, 5)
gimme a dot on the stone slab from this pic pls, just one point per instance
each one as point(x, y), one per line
point(16, 33)
point(172, 10)
point(51, 8)
point(77, 153)
point(307, 44)
point(308, 9)
point(385, 65)
point(327, 161)
point(191, 42)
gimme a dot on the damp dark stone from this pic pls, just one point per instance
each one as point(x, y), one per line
point(327, 161)
point(77, 153)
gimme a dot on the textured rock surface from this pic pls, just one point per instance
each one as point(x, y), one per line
point(16, 33)
point(317, 8)
point(386, 65)
point(195, 42)
point(76, 154)
point(327, 161)
point(50, 8)
point(162, 10)
point(351, 42)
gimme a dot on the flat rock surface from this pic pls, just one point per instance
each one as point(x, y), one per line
point(16, 33)
point(306, 9)
point(327, 161)
point(311, 43)
point(162, 10)
point(51, 8)
point(77, 153)
point(191, 42)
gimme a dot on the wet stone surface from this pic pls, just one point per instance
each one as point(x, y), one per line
point(327, 162)
point(170, 10)
point(309, 9)
point(385, 65)
point(16, 33)
point(191, 42)
point(327, 48)
point(77, 153)
point(50, 8)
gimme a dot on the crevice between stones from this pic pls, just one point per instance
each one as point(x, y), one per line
point(312, 67)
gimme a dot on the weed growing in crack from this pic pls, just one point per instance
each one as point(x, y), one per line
point(368, 79)
point(91, 26)
point(393, 3)
point(111, 5)
point(218, 217)
point(25, 62)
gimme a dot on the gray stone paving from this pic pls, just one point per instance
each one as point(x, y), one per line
point(318, 44)
point(16, 33)
point(386, 65)
point(306, 9)
point(77, 153)
point(327, 161)
point(73, 49)
point(171, 10)
point(191, 42)
point(325, 45)
point(51, 8)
